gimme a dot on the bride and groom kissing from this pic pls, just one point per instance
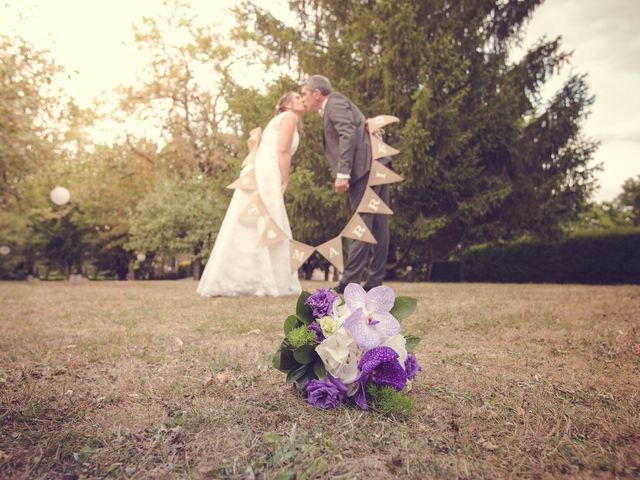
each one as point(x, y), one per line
point(239, 264)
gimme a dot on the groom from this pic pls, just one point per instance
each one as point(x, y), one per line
point(348, 148)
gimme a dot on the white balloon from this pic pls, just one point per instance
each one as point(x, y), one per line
point(141, 257)
point(4, 250)
point(60, 196)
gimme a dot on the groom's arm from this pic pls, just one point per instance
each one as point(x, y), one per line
point(341, 117)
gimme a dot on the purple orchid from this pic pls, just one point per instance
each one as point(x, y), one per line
point(317, 329)
point(321, 302)
point(381, 366)
point(327, 393)
point(370, 320)
point(411, 366)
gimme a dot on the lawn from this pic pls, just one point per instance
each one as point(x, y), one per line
point(148, 380)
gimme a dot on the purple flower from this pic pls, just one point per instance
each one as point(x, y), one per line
point(321, 302)
point(411, 366)
point(381, 366)
point(327, 393)
point(370, 320)
point(317, 329)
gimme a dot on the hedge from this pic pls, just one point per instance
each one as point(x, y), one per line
point(611, 258)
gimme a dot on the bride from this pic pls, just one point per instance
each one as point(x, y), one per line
point(239, 264)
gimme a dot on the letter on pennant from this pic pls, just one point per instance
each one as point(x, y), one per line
point(372, 203)
point(358, 230)
point(381, 175)
point(332, 251)
point(380, 149)
point(299, 253)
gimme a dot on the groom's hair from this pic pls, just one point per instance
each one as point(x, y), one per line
point(319, 82)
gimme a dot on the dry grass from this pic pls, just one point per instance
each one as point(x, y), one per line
point(127, 379)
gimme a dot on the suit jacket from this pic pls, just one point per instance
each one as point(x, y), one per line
point(346, 142)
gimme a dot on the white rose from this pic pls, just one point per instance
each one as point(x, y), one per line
point(340, 356)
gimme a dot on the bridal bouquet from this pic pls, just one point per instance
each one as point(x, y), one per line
point(350, 349)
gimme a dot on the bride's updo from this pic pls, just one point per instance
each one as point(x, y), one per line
point(281, 106)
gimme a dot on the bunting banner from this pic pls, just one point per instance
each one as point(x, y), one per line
point(271, 234)
point(358, 230)
point(380, 149)
point(372, 203)
point(245, 182)
point(355, 229)
point(376, 123)
point(254, 209)
point(253, 142)
point(300, 253)
point(381, 175)
point(332, 251)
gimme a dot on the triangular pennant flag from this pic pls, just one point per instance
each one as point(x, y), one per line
point(245, 182)
point(299, 253)
point(380, 149)
point(332, 251)
point(271, 234)
point(358, 230)
point(254, 140)
point(381, 175)
point(372, 203)
point(376, 123)
point(254, 209)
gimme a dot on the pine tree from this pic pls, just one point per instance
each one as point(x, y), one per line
point(483, 157)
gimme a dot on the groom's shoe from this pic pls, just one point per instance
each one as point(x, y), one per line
point(339, 288)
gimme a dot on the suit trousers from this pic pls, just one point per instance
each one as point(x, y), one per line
point(363, 254)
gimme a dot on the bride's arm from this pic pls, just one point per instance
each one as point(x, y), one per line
point(285, 138)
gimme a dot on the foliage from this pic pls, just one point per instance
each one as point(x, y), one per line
point(181, 97)
point(28, 110)
point(597, 258)
point(178, 216)
point(389, 401)
point(483, 157)
point(629, 199)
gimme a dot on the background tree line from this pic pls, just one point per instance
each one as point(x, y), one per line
point(485, 158)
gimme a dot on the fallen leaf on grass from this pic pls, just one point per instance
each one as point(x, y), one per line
point(223, 377)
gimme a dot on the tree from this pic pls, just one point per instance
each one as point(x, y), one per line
point(27, 113)
point(181, 100)
point(484, 159)
point(629, 199)
point(178, 216)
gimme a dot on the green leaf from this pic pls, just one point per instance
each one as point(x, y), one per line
point(290, 323)
point(297, 374)
point(403, 307)
point(305, 354)
point(304, 312)
point(319, 370)
point(284, 361)
point(412, 342)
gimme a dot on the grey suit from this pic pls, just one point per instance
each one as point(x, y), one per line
point(348, 148)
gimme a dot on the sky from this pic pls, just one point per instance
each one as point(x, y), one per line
point(90, 37)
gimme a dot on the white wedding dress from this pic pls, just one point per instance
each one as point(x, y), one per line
point(238, 265)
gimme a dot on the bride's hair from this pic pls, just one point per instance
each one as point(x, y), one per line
point(281, 106)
